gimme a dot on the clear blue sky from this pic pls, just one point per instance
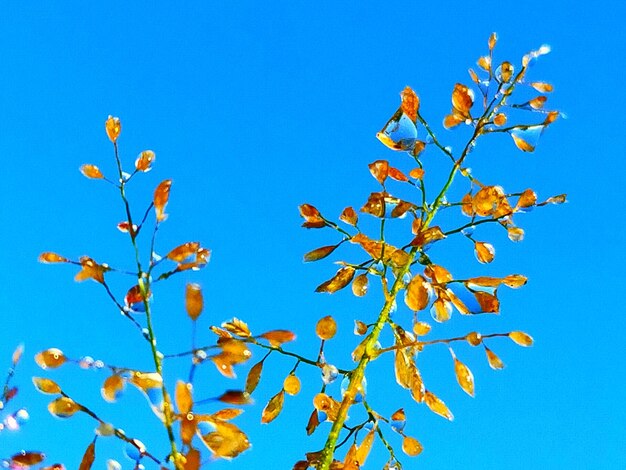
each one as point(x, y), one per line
point(253, 108)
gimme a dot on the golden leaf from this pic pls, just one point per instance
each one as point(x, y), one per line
point(486, 201)
point(359, 285)
point(326, 327)
point(340, 280)
point(309, 212)
point(488, 303)
point(183, 398)
point(421, 328)
point(364, 449)
point(89, 457)
point(188, 427)
point(161, 196)
point(437, 405)
point(485, 252)
point(49, 257)
point(111, 388)
point(146, 380)
point(91, 270)
point(273, 408)
point(438, 274)
point(194, 302)
point(452, 120)
point(410, 103)
point(499, 119)
point(493, 359)
point(464, 377)
point(462, 99)
point(515, 234)
point(375, 205)
point(254, 375)
point(411, 446)
point(515, 280)
point(417, 173)
point(522, 144)
point(551, 117)
point(291, 384)
point(542, 87)
point(144, 161)
point(416, 295)
point(521, 338)
point(46, 385)
point(379, 170)
point(527, 199)
point(506, 71)
point(538, 102)
point(26, 459)
point(350, 461)
point(349, 216)
point(237, 327)
point(428, 236)
point(484, 63)
point(397, 175)
point(182, 252)
point(226, 414)
point(113, 127)
point(277, 338)
point(50, 358)
point(493, 38)
point(360, 328)
point(63, 407)
point(319, 253)
point(467, 205)
point(441, 310)
point(91, 171)
point(474, 338)
point(227, 441)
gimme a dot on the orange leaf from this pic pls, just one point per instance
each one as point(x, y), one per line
point(493, 38)
point(91, 270)
point(515, 280)
point(291, 384)
point(417, 173)
point(192, 460)
point(499, 119)
point(112, 387)
point(144, 161)
point(428, 236)
point(46, 385)
point(542, 87)
point(49, 257)
point(521, 338)
point(462, 99)
point(237, 327)
point(379, 170)
point(437, 405)
point(485, 252)
point(161, 196)
point(493, 359)
point(183, 398)
point(50, 358)
point(194, 302)
point(538, 102)
point(411, 446)
point(359, 285)
point(326, 328)
point(63, 407)
point(113, 127)
point(182, 252)
point(488, 303)
point(235, 397)
point(278, 337)
point(527, 199)
point(89, 457)
point(91, 171)
point(254, 375)
point(319, 253)
point(464, 377)
point(410, 103)
point(522, 144)
point(313, 423)
point(273, 408)
point(416, 295)
point(349, 216)
point(26, 459)
point(340, 280)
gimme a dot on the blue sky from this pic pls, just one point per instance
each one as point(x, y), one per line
point(255, 108)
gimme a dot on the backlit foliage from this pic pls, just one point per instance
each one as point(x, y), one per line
point(418, 293)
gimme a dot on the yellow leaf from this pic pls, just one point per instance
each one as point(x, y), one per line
point(437, 405)
point(113, 127)
point(506, 71)
point(493, 38)
point(227, 441)
point(474, 338)
point(273, 407)
point(411, 446)
point(364, 449)
point(326, 328)
point(421, 328)
point(46, 385)
point(91, 171)
point(521, 338)
point(464, 377)
point(340, 280)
